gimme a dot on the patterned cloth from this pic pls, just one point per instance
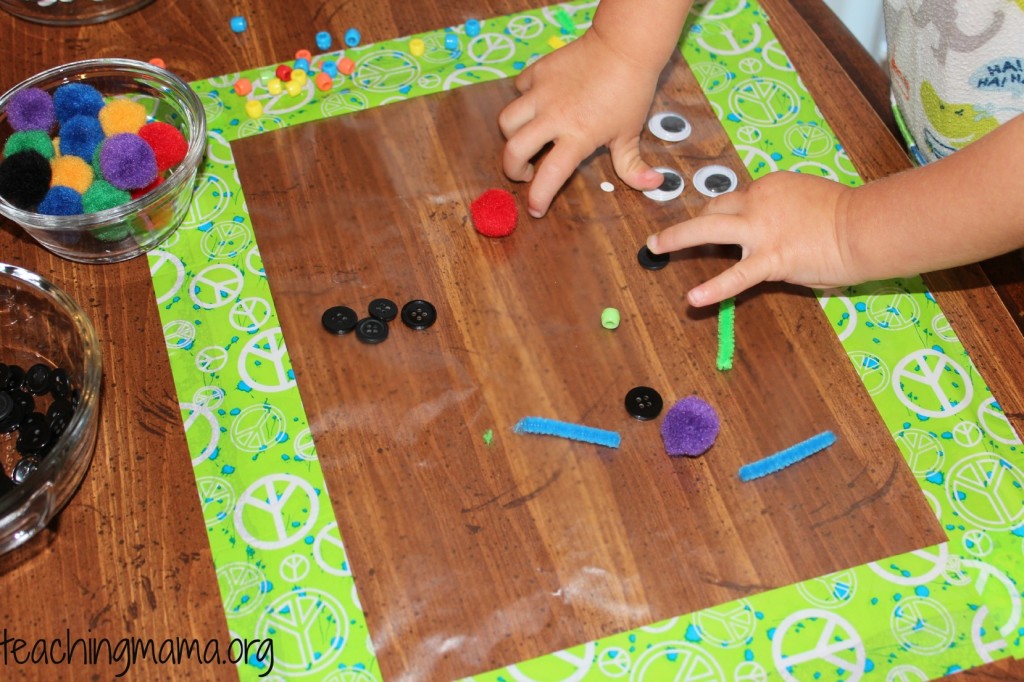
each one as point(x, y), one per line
point(957, 69)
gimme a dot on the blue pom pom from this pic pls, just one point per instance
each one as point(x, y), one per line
point(76, 99)
point(80, 136)
point(61, 200)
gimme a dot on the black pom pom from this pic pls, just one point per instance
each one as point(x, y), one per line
point(25, 179)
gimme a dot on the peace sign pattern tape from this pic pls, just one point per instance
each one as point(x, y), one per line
point(279, 556)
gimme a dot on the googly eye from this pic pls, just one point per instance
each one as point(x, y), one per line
point(669, 126)
point(712, 181)
point(670, 188)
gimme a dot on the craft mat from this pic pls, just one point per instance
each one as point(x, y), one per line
point(280, 559)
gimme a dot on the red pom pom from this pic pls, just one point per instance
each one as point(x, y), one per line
point(168, 144)
point(136, 193)
point(495, 213)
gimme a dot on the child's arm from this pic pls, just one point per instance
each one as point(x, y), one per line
point(811, 231)
point(595, 91)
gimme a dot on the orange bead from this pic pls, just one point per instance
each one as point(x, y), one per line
point(157, 62)
point(304, 54)
point(346, 66)
point(243, 86)
point(323, 81)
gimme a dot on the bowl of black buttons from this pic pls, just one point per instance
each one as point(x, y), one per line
point(50, 371)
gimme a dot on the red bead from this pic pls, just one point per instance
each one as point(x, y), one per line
point(284, 72)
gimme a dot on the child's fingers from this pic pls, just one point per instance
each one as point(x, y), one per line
point(522, 147)
point(518, 113)
point(524, 81)
point(708, 229)
point(737, 279)
point(633, 170)
point(732, 203)
point(553, 171)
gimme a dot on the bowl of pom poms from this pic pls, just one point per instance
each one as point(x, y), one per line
point(50, 374)
point(100, 157)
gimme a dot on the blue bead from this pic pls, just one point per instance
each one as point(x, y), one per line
point(451, 42)
point(330, 68)
point(323, 40)
point(472, 27)
point(352, 37)
point(239, 24)
point(301, 63)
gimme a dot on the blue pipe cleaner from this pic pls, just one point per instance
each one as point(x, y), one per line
point(551, 427)
point(783, 458)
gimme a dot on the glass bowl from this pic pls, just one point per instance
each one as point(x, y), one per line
point(42, 325)
point(71, 12)
point(131, 229)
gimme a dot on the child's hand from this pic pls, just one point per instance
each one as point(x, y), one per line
point(791, 227)
point(580, 97)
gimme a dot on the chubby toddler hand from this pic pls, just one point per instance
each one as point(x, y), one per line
point(580, 97)
point(791, 227)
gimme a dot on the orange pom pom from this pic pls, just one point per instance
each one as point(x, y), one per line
point(71, 171)
point(122, 116)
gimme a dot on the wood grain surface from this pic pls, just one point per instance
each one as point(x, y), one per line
point(544, 544)
point(129, 555)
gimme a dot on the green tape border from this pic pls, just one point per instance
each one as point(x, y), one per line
point(273, 535)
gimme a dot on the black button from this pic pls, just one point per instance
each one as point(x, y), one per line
point(651, 261)
point(419, 314)
point(25, 467)
point(60, 383)
point(59, 415)
point(371, 330)
point(24, 400)
point(37, 379)
point(718, 183)
point(6, 405)
point(15, 375)
point(673, 124)
point(5, 374)
point(644, 403)
point(383, 309)
point(34, 433)
point(670, 182)
point(339, 320)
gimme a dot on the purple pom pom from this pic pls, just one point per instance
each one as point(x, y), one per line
point(76, 99)
point(31, 109)
point(690, 427)
point(127, 161)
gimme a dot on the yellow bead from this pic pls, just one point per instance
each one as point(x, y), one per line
point(293, 88)
point(122, 116)
point(71, 171)
point(417, 47)
point(254, 108)
point(274, 86)
point(299, 76)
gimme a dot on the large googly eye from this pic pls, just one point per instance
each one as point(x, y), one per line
point(669, 126)
point(712, 181)
point(670, 188)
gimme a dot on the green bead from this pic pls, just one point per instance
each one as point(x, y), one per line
point(610, 318)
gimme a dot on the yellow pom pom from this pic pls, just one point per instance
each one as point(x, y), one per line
point(56, 148)
point(122, 116)
point(71, 171)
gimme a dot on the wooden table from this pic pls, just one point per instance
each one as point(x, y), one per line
point(130, 556)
